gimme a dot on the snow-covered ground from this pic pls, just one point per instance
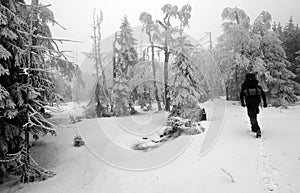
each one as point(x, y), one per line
point(106, 163)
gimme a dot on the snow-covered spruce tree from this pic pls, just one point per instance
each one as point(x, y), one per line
point(290, 37)
point(125, 57)
point(186, 89)
point(298, 60)
point(233, 44)
point(256, 49)
point(28, 60)
point(297, 91)
point(121, 95)
point(271, 64)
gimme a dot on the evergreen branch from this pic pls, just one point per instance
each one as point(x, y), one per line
point(13, 14)
point(58, 52)
point(49, 38)
point(61, 52)
point(57, 48)
point(54, 21)
point(47, 49)
point(40, 124)
point(37, 167)
point(55, 110)
point(17, 47)
point(45, 80)
point(37, 117)
point(42, 70)
point(51, 56)
point(14, 155)
point(35, 6)
point(8, 160)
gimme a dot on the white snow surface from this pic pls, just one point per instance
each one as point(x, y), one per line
point(268, 164)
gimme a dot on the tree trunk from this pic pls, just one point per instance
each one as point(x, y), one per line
point(149, 99)
point(163, 95)
point(96, 59)
point(99, 106)
point(236, 83)
point(227, 94)
point(166, 86)
point(99, 20)
point(25, 176)
point(154, 77)
point(95, 47)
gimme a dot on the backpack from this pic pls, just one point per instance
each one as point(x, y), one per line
point(250, 92)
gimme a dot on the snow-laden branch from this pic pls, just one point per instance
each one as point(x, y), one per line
point(48, 38)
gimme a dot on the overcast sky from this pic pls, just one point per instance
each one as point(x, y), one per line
point(76, 15)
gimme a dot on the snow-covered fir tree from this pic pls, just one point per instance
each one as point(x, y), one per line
point(271, 64)
point(28, 61)
point(255, 48)
point(125, 57)
point(186, 90)
point(232, 45)
point(290, 37)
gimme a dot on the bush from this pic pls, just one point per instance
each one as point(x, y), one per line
point(78, 141)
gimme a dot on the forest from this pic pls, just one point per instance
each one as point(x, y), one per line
point(170, 72)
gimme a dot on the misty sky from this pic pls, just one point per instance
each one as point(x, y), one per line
point(76, 16)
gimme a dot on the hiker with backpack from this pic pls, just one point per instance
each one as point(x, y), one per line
point(250, 96)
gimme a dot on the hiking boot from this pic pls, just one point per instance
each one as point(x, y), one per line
point(258, 135)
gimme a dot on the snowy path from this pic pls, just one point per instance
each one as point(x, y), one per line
point(276, 152)
point(269, 164)
point(268, 171)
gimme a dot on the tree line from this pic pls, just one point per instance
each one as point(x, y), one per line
point(272, 52)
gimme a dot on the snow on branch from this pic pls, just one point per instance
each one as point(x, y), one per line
point(49, 38)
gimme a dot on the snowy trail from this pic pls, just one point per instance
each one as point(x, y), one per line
point(269, 172)
point(268, 164)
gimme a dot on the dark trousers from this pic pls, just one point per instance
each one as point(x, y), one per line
point(253, 110)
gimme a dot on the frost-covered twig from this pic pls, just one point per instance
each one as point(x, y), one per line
point(228, 174)
point(8, 160)
point(13, 156)
point(36, 119)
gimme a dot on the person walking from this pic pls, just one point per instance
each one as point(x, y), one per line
point(250, 96)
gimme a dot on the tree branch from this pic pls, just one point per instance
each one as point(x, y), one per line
point(162, 24)
point(49, 38)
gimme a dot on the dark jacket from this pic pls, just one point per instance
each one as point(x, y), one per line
point(251, 92)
